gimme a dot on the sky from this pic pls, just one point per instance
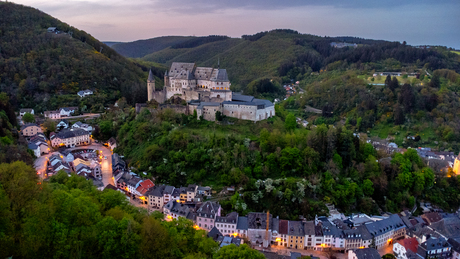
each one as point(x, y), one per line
point(418, 22)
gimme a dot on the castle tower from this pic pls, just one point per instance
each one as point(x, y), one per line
point(166, 79)
point(150, 86)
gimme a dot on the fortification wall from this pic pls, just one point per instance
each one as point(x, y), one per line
point(159, 96)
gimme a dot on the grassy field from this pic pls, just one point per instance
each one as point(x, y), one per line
point(381, 79)
point(398, 134)
point(456, 52)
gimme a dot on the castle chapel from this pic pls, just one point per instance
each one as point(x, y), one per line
point(207, 90)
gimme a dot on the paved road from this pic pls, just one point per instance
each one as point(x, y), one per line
point(106, 163)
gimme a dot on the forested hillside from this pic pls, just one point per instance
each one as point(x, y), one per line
point(11, 147)
point(45, 70)
point(285, 55)
point(289, 170)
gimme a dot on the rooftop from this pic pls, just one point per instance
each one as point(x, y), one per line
point(367, 253)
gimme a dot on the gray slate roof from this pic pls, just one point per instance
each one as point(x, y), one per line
point(367, 253)
point(151, 77)
point(242, 98)
point(70, 133)
point(202, 104)
point(242, 223)
point(381, 227)
point(295, 228)
point(32, 146)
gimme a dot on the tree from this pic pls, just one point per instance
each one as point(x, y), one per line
point(388, 256)
point(290, 122)
point(435, 81)
point(28, 117)
point(49, 125)
point(238, 252)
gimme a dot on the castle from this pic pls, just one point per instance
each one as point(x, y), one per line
point(207, 91)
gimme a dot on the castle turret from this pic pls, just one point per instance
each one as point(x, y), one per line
point(150, 86)
point(166, 79)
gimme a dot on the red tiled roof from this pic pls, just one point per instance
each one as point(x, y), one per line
point(283, 227)
point(147, 184)
point(409, 244)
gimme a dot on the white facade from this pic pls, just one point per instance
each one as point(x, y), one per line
point(226, 228)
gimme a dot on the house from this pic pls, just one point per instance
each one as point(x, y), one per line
point(257, 223)
point(435, 248)
point(227, 225)
point(22, 112)
point(296, 235)
point(112, 143)
point(281, 238)
point(52, 29)
point(242, 226)
point(206, 215)
point(132, 185)
point(357, 237)
point(455, 248)
point(97, 170)
point(70, 138)
point(83, 170)
point(117, 162)
point(174, 210)
point(215, 234)
point(30, 129)
point(333, 237)
point(405, 248)
point(386, 230)
point(63, 124)
point(155, 197)
point(206, 191)
point(365, 253)
point(83, 126)
point(52, 114)
point(39, 139)
point(67, 111)
point(167, 193)
point(34, 148)
point(191, 192)
point(142, 190)
point(85, 93)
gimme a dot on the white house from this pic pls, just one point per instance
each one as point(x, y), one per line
point(227, 225)
point(63, 124)
point(85, 93)
point(34, 148)
point(83, 126)
point(70, 138)
point(67, 111)
point(24, 111)
point(52, 114)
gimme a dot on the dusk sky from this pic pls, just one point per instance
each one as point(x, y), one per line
point(417, 22)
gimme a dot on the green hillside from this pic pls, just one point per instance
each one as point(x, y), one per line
point(285, 55)
point(45, 70)
point(140, 48)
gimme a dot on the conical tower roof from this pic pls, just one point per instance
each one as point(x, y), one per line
point(151, 78)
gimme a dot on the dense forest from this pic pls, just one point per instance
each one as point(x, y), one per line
point(12, 146)
point(45, 70)
point(68, 217)
point(275, 164)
